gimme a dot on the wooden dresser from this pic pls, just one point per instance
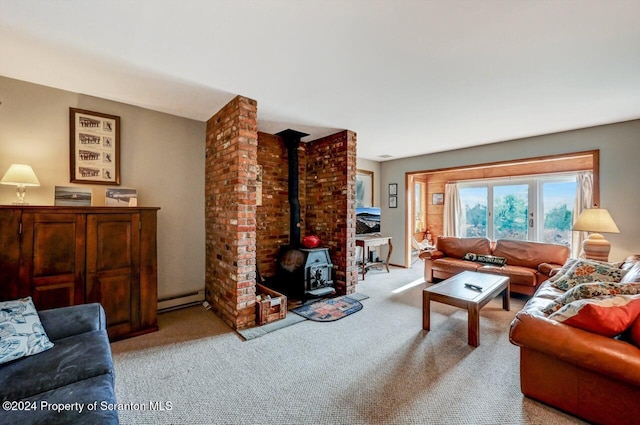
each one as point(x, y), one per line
point(62, 256)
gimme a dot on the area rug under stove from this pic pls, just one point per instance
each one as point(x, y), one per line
point(330, 309)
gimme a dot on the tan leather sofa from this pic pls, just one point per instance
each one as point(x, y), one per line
point(588, 375)
point(528, 263)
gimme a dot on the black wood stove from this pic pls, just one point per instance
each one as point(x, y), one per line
point(301, 273)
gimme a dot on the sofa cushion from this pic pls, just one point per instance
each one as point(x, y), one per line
point(591, 290)
point(453, 265)
point(21, 333)
point(608, 316)
point(72, 320)
point(72, 359)
point(584, 271)
point(458, 247)
point(97, 391)
point(517, 275)
point(530, 254)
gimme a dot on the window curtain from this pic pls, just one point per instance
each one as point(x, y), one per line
point(584, 200)
point(453, 217)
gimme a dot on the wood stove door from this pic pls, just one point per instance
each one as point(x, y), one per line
point(318, 276)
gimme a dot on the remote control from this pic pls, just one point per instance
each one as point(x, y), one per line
point(474, 287)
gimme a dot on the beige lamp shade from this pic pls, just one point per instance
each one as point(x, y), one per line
point(20, 175)
point(596, 221)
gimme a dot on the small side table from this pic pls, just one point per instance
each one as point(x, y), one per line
point(369, 241)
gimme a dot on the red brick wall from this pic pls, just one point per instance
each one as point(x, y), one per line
point(238, 232)
point(331, 200)
point(273, 215)
point(230, 212)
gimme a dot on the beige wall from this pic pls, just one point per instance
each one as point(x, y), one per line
point(162, 156)
point(619, 146)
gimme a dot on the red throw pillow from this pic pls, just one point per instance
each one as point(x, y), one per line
point(605, 316)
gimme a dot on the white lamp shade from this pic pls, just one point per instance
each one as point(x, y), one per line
point(20, 174)
point(596, 220)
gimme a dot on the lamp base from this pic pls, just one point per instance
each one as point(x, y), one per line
point(596, 247)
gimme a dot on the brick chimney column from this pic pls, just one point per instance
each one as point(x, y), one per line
point(230, 212)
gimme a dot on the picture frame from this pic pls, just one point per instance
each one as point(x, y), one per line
point(364, 189)
point(437, 199)
point(94, 147)
point(393, 202)
point(120, 197)
point(66, 196)
point(393, 189)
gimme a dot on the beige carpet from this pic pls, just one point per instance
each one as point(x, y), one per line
point(376, 366)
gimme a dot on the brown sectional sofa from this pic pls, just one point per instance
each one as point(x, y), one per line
point(594, 377)
point(528, 263)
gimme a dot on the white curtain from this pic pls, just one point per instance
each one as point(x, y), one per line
point(584, 200)
point(453, 214)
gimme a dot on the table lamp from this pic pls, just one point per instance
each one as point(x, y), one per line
point(596, 221)
point(21, 176)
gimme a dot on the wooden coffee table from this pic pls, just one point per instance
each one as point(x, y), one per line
point(454, 292)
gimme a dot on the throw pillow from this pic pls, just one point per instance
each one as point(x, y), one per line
point(605, 316)
point(482, 258)
point(584, 271)
point(572, 261)
point(21, 333)
point(591, 290)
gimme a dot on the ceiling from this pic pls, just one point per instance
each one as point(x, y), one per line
point(409, 77)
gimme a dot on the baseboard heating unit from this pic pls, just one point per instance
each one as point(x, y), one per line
point(180, 301)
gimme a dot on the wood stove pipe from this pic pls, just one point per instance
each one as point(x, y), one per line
point(291, 140)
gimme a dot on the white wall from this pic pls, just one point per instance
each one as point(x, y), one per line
point(619, 146)
point(162, 156)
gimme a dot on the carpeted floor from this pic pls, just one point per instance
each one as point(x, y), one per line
point(374, 367)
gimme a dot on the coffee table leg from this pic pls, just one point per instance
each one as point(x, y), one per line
point(426, 311)
point(506, 299)
point(474, 325)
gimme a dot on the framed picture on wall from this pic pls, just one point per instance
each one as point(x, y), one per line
point(94, 149)
point(393, 202)
point(364, 189)
point(393, 189)
point(437, 199)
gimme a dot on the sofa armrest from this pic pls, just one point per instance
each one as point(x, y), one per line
point(586, 350)
point(549, 268)
point(73, 320)
point(431, 255)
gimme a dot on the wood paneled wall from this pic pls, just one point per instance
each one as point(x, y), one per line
point(437, 179)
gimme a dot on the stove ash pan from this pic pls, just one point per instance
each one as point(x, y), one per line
point(307, 272)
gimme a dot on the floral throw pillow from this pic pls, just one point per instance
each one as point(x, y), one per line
point(591, 290)
point(584, 271)
point(21, 333)
point(572, 261)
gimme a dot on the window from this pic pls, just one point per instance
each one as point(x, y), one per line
point(538, 209)
point(474, 203)
point(558, 201)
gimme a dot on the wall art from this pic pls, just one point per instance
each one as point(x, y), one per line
point(94, 147)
